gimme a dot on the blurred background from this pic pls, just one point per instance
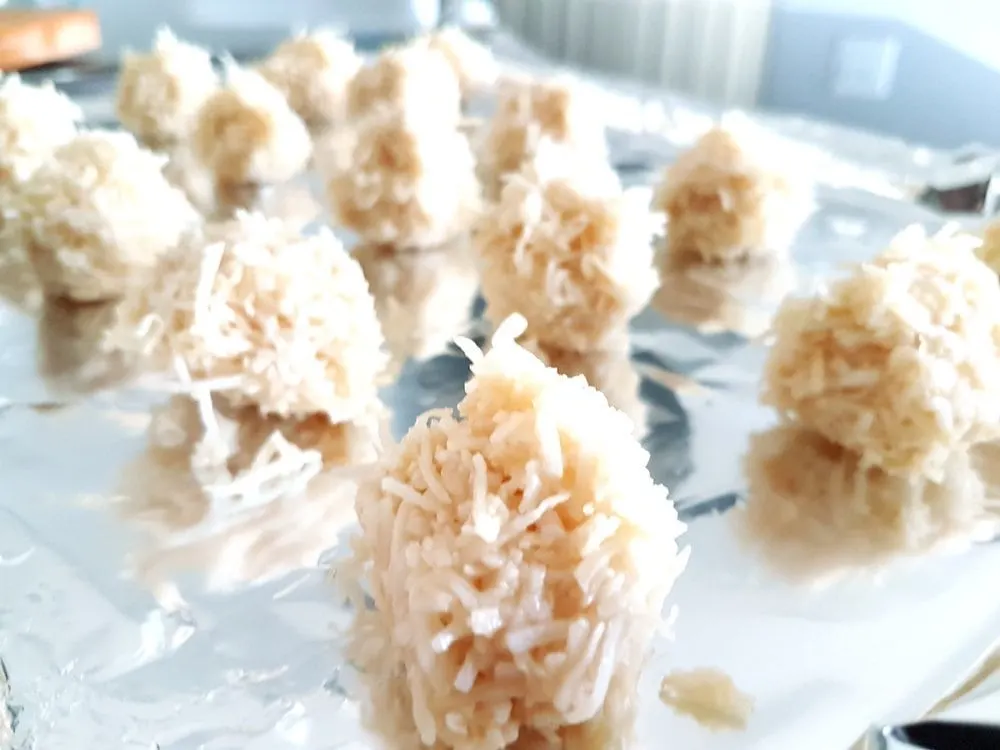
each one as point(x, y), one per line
point(927, 71)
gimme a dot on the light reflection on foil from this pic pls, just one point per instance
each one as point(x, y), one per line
point(93, 662)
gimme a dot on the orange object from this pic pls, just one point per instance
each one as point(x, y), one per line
point(38, 37)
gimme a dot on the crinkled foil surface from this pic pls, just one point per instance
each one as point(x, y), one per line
point(90, 660)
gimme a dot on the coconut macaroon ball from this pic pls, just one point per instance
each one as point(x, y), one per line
point(98, 214)
point(34, 121)
point(472, 62)
point(529, 112)
point(816, 512)
point(416, 77)
point(246, 133)
point(160, 91)
point(400, 178)
point(313, 72)
point(730, 197)
point(518, 558)
point(272, 317)
point(898, 362)
point(566, 248)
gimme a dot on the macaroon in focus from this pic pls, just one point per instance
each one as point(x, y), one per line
point(518, 557)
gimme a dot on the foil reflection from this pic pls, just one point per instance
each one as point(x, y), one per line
point(74, 357)
point(191, 496)
point(715, 298)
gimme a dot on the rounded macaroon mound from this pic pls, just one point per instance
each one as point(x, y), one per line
point(529, 112)
point(34, 122)
point(566, 248)
point(518, 557)
point(728, 199)
point(98, 214)
point(401, 178)
point(274, 318)
point(313, 72)
point(815, 512)
point(246, 133)
point(988, 250)
point(414, 79)
point(472, 62)
point(160, 92)
point(898, 362)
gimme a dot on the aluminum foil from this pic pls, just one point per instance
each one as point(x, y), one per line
point(89, 659)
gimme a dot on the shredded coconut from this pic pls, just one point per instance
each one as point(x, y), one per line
point(401, 179)
point(413, 78)
point(815, 513)
point(569, 250)
point(610, 371)
point(313, 72)
point(246, 132)
point(160, 92)
point(529, 112)
point(424, 300)
point(731, 197)
point(897, 362)
point(286, 319)
point(97, 215)
point(239, 497)
point(709, 697)
point(518, 558)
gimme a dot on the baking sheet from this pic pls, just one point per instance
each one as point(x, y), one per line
point(92, 661)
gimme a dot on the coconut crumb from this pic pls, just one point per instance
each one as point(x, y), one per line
point(401, 179)
point(424, 300)
point(284, 321)
point(816, 513)
point(472, 62)
point(160, 92)
point(899, 360)
point(412, 78)
point(988, 250)
point(708, 696)
point(529, 112)
point(239, 497)
point(98, 214)
point(714, 298)
point(313, 72)
point(518, 557)
point(569, 250)
point(730, 198)
point(74, 355)
point(246, 133)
